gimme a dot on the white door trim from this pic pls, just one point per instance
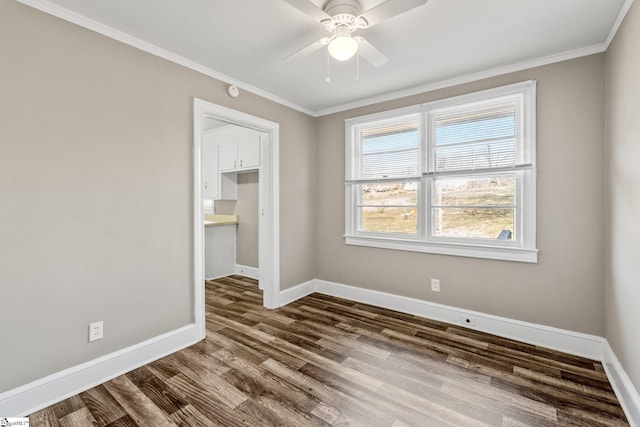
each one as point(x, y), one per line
point(269, 218)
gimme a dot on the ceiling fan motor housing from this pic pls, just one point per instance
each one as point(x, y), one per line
point(344, 13)
point(342, 7)
point(341, 18)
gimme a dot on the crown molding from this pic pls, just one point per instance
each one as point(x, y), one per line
point(85, 22)
point(618, 22)
point(105, 30)
point(466, 78)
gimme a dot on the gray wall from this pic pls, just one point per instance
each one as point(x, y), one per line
point(565, 289)
point(622, 292)
point(96, 192)
point(96, 198)
point(246, 207)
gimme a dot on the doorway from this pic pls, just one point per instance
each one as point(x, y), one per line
point(268, 196)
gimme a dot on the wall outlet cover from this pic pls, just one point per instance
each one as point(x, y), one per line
point(96, 331)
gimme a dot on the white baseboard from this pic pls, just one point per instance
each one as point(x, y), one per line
point(576, 343)
point(219, 277)
point(296, 292)
point(39, 394)
point(246, 271)
point(622, 385)
point(557, 339)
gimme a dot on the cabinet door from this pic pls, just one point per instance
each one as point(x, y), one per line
point(249, 151)
point(228, 155)
point(210, 167)
point(219, 251)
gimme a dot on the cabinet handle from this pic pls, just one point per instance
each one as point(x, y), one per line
point(240, 163)
point(234, 164)
point(205, 185)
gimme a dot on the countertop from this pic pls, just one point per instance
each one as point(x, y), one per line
point(211, 220)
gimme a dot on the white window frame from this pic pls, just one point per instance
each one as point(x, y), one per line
point(353, 152)
point(523, 249)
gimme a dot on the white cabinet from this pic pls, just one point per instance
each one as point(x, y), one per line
point(225, 152)
point(211, 173)
point(249, 151)
point(240, 153)
point(220, 251)
point(228, 155)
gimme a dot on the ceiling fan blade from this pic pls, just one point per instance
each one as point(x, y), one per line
point(370, 53)
point(389, 9)
point(318, 44)
point(309, 8)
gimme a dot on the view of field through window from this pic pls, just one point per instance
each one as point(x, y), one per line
point(389, 208)
point(463, 207)
point(474, 207)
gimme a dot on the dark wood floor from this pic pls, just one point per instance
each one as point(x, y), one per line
point(327, 361)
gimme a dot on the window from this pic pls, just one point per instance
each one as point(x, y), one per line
point(389, 170)
point(455, 176)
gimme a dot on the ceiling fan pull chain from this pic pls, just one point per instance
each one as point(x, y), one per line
point(357, 67)
point(328, 79)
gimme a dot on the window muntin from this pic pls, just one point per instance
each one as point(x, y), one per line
point(475, 182)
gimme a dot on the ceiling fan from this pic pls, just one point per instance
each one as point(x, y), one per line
point(342, 18)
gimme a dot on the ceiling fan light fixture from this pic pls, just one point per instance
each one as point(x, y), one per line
point(343, 46)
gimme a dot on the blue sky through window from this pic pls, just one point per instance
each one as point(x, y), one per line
point(474, 129)
point(391, 141)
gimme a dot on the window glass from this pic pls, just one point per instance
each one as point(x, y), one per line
point(475, 207)
point(388, 207)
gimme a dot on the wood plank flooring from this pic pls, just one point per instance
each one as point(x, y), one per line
point(324, 361)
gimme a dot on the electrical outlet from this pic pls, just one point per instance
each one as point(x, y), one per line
point(469, 321)
point(95, 331)
point(435, 285)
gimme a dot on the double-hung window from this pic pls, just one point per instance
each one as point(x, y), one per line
point(455, 176)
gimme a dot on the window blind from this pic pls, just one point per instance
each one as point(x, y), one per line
point(389, 151)
point(480, 136)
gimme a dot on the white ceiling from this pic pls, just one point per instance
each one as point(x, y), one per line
point(245, 41)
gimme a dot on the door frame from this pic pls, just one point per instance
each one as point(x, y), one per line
point(268, 203)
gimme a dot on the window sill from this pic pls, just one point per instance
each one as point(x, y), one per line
point(455, 249)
